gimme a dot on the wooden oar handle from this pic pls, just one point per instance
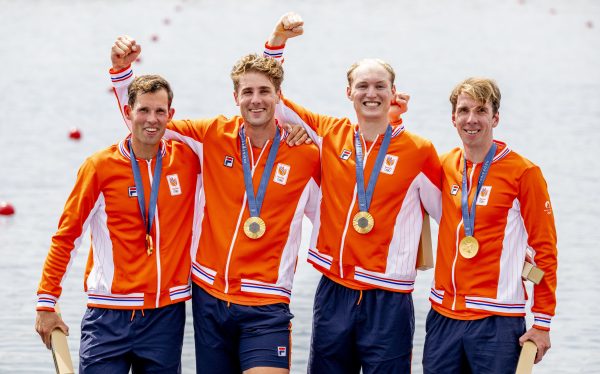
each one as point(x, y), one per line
point(60, 350)
point(527, 358)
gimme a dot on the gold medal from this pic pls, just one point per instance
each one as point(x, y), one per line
point(468, 247)
point(254, 227)
point(149, 245)
point(363, 222)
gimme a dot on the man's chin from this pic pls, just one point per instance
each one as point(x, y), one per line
point(254, 122)
point(375, 116)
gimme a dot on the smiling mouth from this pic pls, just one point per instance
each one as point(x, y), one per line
point(471, 132)
point(256, 110)
point(371, 104)
point(151, 130)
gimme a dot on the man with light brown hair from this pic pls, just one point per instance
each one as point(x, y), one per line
point(496, 216)
point(256, 190)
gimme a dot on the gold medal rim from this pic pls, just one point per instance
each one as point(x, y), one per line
point(463, 243)
point(149, 244)
point(370, 219)
point(261, 224)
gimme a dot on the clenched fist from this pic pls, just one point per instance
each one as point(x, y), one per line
point(124, 51)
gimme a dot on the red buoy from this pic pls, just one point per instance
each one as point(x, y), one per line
point(6, 209)
point(74, 133)
point(589, 24)
point(167, 21)
point(154, 38)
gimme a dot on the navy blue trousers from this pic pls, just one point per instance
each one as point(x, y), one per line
point(488, 345)
point(231, 338)
point(372, 330)
point(115, 341)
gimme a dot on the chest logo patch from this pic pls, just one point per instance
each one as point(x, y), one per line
point(484, 195)
point(548, 207)
point(281, 174)
point(228, 161)
point(454, 190)
point(389, 164)
point(346, 153)
point(132, 191)
point(174, 185)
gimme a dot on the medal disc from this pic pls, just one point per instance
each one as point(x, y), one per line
point(363, 222)
point(254, 227)
point(468, 247)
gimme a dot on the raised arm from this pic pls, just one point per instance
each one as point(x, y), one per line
point(291, 25)
point(124, 52)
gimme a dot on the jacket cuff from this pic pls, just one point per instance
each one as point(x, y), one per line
point(542, 321)
point(46, 302)
point(275, 52)
point(121, 77)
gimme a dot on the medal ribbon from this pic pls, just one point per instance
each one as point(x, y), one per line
point(469, 219)
point(365, 197)
point(139, 187)
point(255, 202)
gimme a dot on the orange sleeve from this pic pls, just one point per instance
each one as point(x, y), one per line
point(72, 225)
point(538, 218)
point(315, 124)
point(431, 195)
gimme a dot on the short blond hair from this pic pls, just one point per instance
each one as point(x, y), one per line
point(384, 64)
point(254, 63)
point(480, 89)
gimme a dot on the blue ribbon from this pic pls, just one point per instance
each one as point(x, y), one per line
point(365, 197)
point(469, 219)
point(255, 202)
point(139, 187)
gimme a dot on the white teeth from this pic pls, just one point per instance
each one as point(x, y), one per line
point(471, 132)
point(256, 110)
point(371, 103)
point(151, 129)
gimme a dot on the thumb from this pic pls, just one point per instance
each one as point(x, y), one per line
point(63, 327)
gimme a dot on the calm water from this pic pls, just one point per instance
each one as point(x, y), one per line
point(54, 57)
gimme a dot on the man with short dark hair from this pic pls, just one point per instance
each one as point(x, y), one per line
point(137, 198)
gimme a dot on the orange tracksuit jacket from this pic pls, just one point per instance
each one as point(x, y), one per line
point(229, 265)
point(513, 220)
point(119, 273)
point(409, 179)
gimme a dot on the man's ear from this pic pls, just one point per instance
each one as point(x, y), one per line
point(495, 119)
point(127, 111)
point(453, 119)
point(235, 98)
point(349, 93)
point(171, 113)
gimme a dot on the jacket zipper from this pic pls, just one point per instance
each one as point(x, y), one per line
point(156, 240)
